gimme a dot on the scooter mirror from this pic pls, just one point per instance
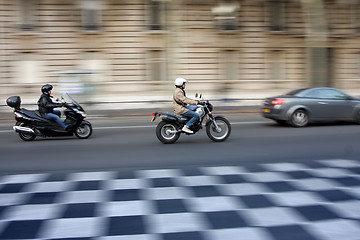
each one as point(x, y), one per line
point(196, 95)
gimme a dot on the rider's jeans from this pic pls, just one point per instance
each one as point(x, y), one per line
point(194, 118)
point(55, 116)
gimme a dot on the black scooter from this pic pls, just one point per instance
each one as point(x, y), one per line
point(30, 124)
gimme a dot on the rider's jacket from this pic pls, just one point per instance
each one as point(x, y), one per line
point(46, 105)
point(180, 101)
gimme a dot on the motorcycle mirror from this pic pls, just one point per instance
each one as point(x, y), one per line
point(196, 95)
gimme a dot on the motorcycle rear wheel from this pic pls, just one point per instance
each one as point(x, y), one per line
point(84, 130)
point(167, 133)
point(221, 134)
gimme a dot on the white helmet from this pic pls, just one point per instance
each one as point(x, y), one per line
point(180, 81)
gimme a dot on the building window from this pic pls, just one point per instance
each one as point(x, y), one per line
point(276, 65)
point(91, 17)
point(229, 61)
point(225, 14)
point(157, 67)
point(276, 18)
point(27, 14)
point(157, 14)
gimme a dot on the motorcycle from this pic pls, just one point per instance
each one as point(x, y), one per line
point(168, 131)
point(30, 124)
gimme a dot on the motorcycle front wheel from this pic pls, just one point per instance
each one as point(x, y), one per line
point(219, 132)
point(84, 130)
point(167, 132)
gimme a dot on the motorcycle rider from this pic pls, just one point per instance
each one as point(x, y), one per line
point(46, 106)
point(185, 106)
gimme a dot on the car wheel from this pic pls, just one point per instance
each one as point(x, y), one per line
point(300, 118)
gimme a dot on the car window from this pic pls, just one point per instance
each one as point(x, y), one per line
point(295, 92)
point(313, 94)
point(331, 94)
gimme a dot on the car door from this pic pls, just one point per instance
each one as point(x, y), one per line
point(316, 105)
point(336, 105)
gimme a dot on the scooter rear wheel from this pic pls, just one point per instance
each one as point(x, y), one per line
point(24, 136)
point(167, 132)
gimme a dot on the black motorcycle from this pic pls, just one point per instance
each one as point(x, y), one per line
point(30, 124)
point(168, 130)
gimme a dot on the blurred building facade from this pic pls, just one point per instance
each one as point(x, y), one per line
point(123, 50)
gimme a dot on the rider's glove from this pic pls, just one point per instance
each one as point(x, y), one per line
point(201, 103)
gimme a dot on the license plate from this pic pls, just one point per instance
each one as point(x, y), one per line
point(266, 110)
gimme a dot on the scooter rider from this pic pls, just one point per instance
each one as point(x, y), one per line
point(46, 106)
point(184, 105)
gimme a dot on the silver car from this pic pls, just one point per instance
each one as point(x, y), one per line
point(302, 106)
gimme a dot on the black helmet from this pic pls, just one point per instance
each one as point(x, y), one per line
point(46, 88)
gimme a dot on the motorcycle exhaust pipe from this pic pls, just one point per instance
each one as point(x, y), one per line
point(26, 130)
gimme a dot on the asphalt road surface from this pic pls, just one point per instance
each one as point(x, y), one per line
point(131, 143)
point(266, 182)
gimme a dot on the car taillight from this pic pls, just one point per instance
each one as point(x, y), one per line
point(278, 101)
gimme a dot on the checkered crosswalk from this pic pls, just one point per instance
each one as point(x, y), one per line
point(311, 200)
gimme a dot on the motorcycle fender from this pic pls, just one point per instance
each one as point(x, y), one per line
point(169, 119)
point(209, 120)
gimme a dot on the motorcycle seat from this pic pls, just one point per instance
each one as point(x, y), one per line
point(32, 113)
point(172, 114)
point(36, 115)
point(180, 117)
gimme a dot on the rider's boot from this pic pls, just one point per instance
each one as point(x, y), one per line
point(186, 129)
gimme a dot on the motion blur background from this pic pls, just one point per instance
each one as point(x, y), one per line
point(123, 54)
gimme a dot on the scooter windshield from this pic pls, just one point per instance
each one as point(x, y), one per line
point(67, 96)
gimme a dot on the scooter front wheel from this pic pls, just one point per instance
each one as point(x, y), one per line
point(167, 132)
point(84, 130)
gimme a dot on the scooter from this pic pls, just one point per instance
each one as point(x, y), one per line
point(168, 131)
point(30, 124)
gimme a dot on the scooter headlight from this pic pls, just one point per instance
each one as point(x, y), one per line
point(83, 114)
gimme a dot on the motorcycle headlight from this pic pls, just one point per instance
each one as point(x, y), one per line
point(211, 107)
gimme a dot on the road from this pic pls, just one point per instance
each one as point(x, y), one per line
point(130, 142)
point(266, 182)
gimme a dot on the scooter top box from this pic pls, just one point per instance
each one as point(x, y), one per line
point(14, 101)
